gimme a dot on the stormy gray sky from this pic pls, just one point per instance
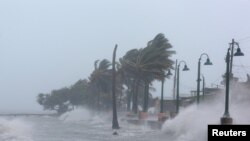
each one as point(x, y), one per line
point(50, 44)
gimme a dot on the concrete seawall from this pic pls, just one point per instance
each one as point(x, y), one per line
point(153, 124)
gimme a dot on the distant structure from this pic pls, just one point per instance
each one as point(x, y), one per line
point(210, 93)
point(247, 83)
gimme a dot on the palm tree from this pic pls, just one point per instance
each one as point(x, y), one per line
point(100, 80)
point(159, 57)
point(148, 64)
point(124, 78)
point(115, 124)
point(128, 63)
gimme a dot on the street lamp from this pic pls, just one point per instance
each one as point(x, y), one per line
point(178, 79)
point(162, 89)
point(208, 62)
point(162, 116)
point(238, 53)
point(226, 119)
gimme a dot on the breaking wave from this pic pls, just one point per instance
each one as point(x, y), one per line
point(15, 130)
point(84, 115)
point(191, 123)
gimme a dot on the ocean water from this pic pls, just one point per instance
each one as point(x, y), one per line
point(83, 125)
point(78, 125)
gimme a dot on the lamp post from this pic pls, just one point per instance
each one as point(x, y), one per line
point(208, 62)
point(178, 79)
point(226, 119)
point(203, 86)
point(162, 90)
point(161, 115)
point(238, 53)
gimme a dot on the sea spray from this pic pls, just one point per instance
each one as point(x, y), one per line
point(79, 114)
point(15, 130)
point(191, 123)
point(82, 114)
point(102, 120)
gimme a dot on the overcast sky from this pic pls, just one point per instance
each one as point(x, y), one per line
point(50, 44)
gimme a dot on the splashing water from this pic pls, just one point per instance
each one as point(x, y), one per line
point(80, 114)
point(82, 124)
point(15, 130)
point(191, 123)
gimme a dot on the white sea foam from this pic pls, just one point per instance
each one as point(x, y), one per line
point(15, 130)
point(191, 123)
point(85, 115)
point(80, 114)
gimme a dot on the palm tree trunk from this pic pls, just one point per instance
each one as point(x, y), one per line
point(162, 91)
point(129, 101)
point(98, 100)
point(115, 124)
point(135, 96)
point(120, 98)
point(146, 92)
point(129, 96)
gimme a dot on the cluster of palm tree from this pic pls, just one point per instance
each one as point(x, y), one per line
point(143, 66)
point(100, 83)
point(135, 72)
